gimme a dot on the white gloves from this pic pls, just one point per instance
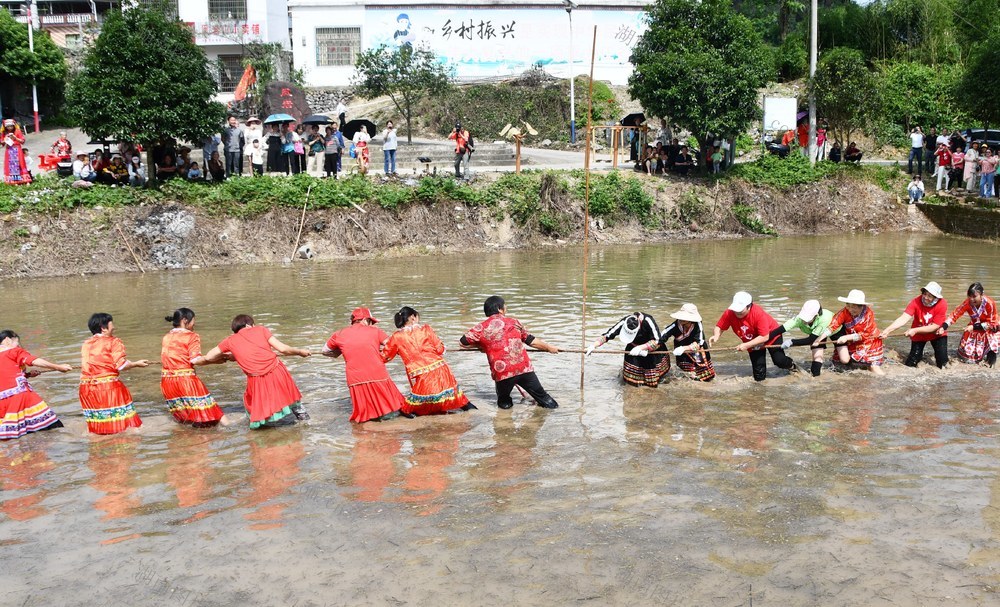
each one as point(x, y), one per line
point(679, 350)
point(590, 350)
point(638, 351)
point(786, 344)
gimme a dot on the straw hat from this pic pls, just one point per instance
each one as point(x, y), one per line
point(360, 314)
point(933, 288)
point(688, 312)
point(741, 300)
point(856, 297)
point(253, 119)
point(809, 310)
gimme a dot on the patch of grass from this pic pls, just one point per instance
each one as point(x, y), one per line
point(747, 215)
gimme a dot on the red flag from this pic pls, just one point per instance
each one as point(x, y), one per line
point(249, 79)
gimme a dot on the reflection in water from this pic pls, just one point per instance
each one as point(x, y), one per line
point(189, 470)
point(275, 457)
point(372, 465)
point(434, 451)
point(513, 455)
point(111, 461)
point(21, 470)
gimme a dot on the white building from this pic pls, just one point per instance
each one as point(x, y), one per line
point(479, 38)
point(223, 27)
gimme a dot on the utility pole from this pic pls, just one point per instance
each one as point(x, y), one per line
point(32, 9)
point(572, 89)
point(813, 46)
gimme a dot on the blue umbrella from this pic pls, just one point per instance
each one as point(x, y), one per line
point(278, 118)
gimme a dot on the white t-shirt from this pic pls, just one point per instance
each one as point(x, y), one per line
point(942, 139)
point(917, 140)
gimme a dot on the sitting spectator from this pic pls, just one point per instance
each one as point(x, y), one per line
point(683, 162)
point(852, 153)
point(194, 172)
point(29, 163)
point(167, 168)
point(672, 150)
point(216, 168)
point(788, 138)
point(82, 169)
point(662, 158)
point(100, 162)
point(646, 160)
point(255, 155)
point(184, 162)
point(915, 189)
point(136, 172)
point(836, 154)
point(116, 173)
point(62, 146)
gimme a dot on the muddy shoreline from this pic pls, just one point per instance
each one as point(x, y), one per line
point(97, 240)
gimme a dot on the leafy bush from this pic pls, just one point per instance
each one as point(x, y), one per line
point(748, 216)
point(791, 61)
point(612, 195)
point(783, 172)
point(691, 207)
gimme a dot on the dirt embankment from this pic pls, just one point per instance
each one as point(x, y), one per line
point(97, 240)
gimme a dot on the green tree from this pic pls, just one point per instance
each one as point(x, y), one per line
point(405, 74)
point(143, 80)
point(18, 65)
point(914, 94)
point(701, 64)
point(845, 92)
point(980, 76)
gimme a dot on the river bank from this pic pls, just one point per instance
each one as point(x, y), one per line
point(56, 232)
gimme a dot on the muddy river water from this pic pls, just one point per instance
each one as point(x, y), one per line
point(846, 489)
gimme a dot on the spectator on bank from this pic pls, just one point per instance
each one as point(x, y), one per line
point(836, 154)
point(361, 149)
point(253, 130)
point(943, 165)
point(255, 156)
point(136, 172)
point(646, 160)
point(288, 145)
point(233, 141)
point(987, 172)
point(317, 147)
point(788, 139)
point(671, 152)
point(334, 148)
point(166, 169)
point(717, 160)
point(915, 189)
point(209, 146)
point(115, 174)
point(100, 161)
point(62, 146)
point(389, 146)
point(215, 167)
point(660, 152)
point(957, 142)
point(462, 139)
point(302, 150)
point(83, 170)
point(683, 163)
point(634, 137)
point(193, 172)
point(957, 168)
point(183, 161)
point(930, 147)
point(971, 167)
point(273, 144)
point(852, 153)
point(664, 135)
point(916, 148)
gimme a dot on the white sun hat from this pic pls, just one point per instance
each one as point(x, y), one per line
point(809, 310)
point(688, 312)
point(741, 300)
point(627, 334)
point(856, 297)
point(933, 288)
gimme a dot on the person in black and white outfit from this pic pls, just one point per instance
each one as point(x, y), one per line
point(690, 348)
point(646, 360)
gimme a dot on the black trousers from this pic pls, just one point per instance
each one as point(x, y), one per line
point(758, 361)
point(330, 163)
point(940, 345)
point(531, 385)
point(234, 163)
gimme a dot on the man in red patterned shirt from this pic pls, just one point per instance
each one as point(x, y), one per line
point(503, 339)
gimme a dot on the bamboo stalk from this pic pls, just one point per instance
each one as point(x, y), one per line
point(302, 223)
point(129, 247)
point(586, 207)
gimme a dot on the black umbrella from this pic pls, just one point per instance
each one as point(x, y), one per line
point(354, 126)
point(316, 119)
point(630, 119)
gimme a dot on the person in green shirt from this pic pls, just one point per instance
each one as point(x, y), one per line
point(811, 320)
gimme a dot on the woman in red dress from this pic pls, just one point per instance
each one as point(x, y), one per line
point(22, 410)
point(107, 403)
point(272, 399)
point(15, 169)
point(433, 388)
point(188, 399)
point(373, 394)
point(857, 336)
point(981, 339)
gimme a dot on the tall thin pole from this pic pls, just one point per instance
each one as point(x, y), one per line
point(32, 8)
point(586, 205)
point(813, 46)
point(572, 87)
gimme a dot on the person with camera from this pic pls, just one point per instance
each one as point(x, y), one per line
point(916, 148)
point(463, 150)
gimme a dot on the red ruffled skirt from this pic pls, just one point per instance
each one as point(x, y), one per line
point(23, 412)
point(434, 390)
point(269, 397)
point(976, 344)
point(374, 399)
point(188, 399)
point(107, 405)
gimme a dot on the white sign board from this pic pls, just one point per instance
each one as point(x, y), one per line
point(780, 113)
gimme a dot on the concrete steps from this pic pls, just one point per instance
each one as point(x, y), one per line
point(443, 155)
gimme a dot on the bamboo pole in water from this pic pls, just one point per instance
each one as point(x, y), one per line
point(586, 204)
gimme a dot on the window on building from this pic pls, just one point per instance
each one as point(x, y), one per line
point(230, 72)
point(337, 45)
point(169, 7)
point(227, 10)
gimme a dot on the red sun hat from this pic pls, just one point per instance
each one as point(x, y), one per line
point(360, 314)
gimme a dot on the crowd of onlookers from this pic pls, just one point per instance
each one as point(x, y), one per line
point(955, 160)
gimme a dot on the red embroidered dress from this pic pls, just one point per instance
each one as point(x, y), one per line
point(15, 169)
point(502, 339)
point(22, 410)
point(433, 388)
point(868, 351)
point(975, 344)
point(271, 392)
point(107, 403)
point(187, 397)
point(372, 392)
